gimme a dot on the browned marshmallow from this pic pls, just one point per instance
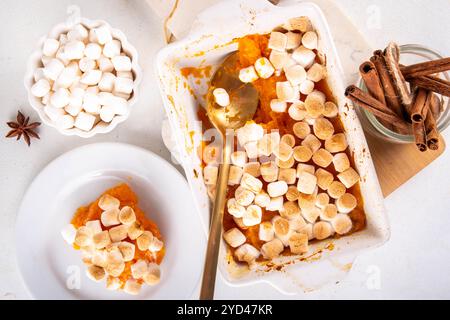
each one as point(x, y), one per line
point(336, 190)
point(324, 178)
point(322, 230)
point(341, 162)
point(301, 129)
point(234, 237)
point(272, 249)
point(349, 177)
point(298, 243)
point(323, 128)
point(322, 158)
point(342, 224)
point(302, 154)
point(346, 203)
point(336, 143)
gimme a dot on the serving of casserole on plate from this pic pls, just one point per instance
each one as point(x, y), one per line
point(302, 186)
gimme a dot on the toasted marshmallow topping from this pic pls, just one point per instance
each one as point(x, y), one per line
point(135, 230)
point(239, 158)
point(305, 167)
point(252, 216)
point(278, 59)
point(247, 253)
point(144, 240)
point(107, 202)
point(329, 212)
point(285, 164)
point(301, 129)
point(322, 158)
point(288, 175)
point(288, 139)
point(83, 236)
point(346, 203)
point(266, 232)
point(253, 169)
point(306, 182)
point(127, 215)
point(272, 249)
point(311, 142)
point(276, 204)
point(153, 275)
point(262, 199)
point(342, 224)
point(290, 210)
point(322, 230)
point(139, 269)
point(132, 287)
point(336, 143)
point(210, 174)
point(264, 68)
point(297, 111)
point(276, 189)
point(294, 40)
point(322, 199)
point(296, 75)
point(316, 73)
point(234, 237)
point(312, 214)
point(235, 175)
point(336, 190)
point(251, 183)
point(118, 233)
point(331, 110)
point(277, 41)
point(95, 273)
point(302, 24)
point(127, 250)
point(341, 162)
point(324, 178)
point(323, 128)
point(302, 154)
point(298, 243)
point(243, 196)
point(101, 240)
point(349, 177)
point(110, 217)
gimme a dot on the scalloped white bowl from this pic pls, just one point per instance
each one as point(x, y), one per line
point(34, 62)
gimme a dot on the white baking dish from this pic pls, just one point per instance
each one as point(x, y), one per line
point(207, 44)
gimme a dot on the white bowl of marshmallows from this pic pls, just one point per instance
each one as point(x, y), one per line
point(84, 78)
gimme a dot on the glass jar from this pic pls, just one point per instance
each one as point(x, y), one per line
point(409, 54)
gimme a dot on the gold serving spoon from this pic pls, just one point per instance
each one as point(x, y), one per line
point(243, 103)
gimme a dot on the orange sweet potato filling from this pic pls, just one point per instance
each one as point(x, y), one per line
point(126, 197)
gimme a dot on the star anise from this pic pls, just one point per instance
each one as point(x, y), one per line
point(22, 128)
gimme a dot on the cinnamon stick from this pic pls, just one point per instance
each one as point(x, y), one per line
point(431, 131)
point(391, 97)
point(372, 80)
point(420, 106)
point(426, 68)
point(432, 83)
point(420, 136)
point(364, 100)
point(391, 55)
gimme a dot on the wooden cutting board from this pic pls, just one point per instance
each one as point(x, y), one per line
point(397, 163)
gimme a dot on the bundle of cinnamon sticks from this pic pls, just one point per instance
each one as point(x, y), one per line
point(403, 98)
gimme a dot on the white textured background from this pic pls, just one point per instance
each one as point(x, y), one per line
point(413, 264)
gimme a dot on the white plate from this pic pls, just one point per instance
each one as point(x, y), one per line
point(78, 177)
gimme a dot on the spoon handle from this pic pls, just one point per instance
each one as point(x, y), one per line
point(215, 231)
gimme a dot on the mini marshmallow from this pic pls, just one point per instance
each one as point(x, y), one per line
point(304, 57)
point(296, 75)
point(306, 201)
point(287, 92)
point(283, 151)
point(107, 114)
point(285, 164)
point(297, 111)
point(309, 40)
point(305, 167)
point(112, 49)
point(278, 59)
point(302, 154)
point(289, 139)
point(239, 158)
point(306, 87)
point(38, 74)
point(253, 169)
point(292, 194)
point(127, 250)
point(132, 287)
point(85, 64)
point(322, 200)
point(125, 74)
point(311, 214)
point(341, 162)
point(324, 178)
point(329, 212)
point(235, 209)
point(251, 183)
point(125, 96)
point(264, 68)
point(50, 47)
point(336, 190)
point(276, 189)
point(276, 204)
point(139, 269)
point(315, 104)
point(306, 182)
point(67, 77)
point(268, 143)
point(123, 85)
point(247, 253)
point(277, 41)
point(40, 88)
point(266, 232)
point(244, 197)
point(336, 143)
point(311, 142)
point(234, 237)
point(291, 210)
point(288, 175)
point(60, 98)
point(269, 171)
point(281, 227)
point(91, 77)
point(91, 103)
point(85, 121)
point(278, 105)
point(235, 175)
point(322, 230)
point(349, 177)
point(121, 63)
point(61, 55)
point(302, 24)
point(78, 32)
point(66, 122)
point(107, 82)
point(346, 203)
point(221, 97)
point(322, 158)
point(316, 73)
point(252, 149)
point(107, 202)
point(210, 174)
point(301, 129)
point(95, 273)
point(298, 243)
point(294, 40)
point(74, 50)
point(252, 216)
point(342, 224)
point(323, 128)
point(272, 249)
point(54, 113)
point(105, 64)
point(248, 74)
point(331, 110)
point(118, 233)
point(250, 132)
point(103, 34)
point(262, 199)
point(93, 51)
point(144, 240)
point(53, 69)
